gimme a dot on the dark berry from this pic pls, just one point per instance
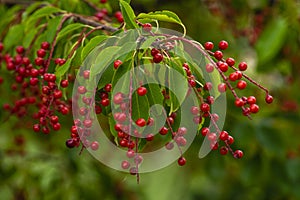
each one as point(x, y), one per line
point(181, 161)
point(157, 58)
point(45, 45)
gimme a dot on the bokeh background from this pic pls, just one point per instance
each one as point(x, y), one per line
point(266, 34)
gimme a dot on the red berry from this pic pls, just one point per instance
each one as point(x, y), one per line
point(207, 86)
point(223, 45)
point(230, 61)
point(164, 131)
point(33, 81)
point(233, 77)
point(105, 102)
point(117, 64)
point(118, 98)
point(254, 108)
point(125, 164)
point(70, 143)
point(195, 110)
point(230, 140)
point(238, 154)
point(20, 49)
point(243, 66)
point(239, 102)
point(39, 61)
point(224, 135)
point(56, 126)
point(1, 46)
point(86, 74)
point(205, 107)
point(223, 150)
point(181, 161)
point(140, 122)
point(41, 53)
point(222, 87)
point(218, 55)
point(57, 94)
point(141, 91)
point(269, 99)
point(64, 110)
point(45, 45)
point(81, 89)
point(99, 15)
point(107, 87)
point(157, 58)
point(150, 137)
point(103, 1)
point(223, 67)
point(241, 85)
point(182, 131)
point(192, 82)
point(169, 146)
point(205, 131)
point(36, 128)
point(251, 100)
point(209, 67)
point(95, 146)
point(209, 46)
point(64, 83)
point(147, 27)
point(154, 51)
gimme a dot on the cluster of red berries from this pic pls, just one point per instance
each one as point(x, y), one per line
point(28, 79)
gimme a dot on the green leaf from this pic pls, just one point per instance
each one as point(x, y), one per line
point(128, 14)
point(52, 27)
point(271, 40)
point(140, 107)
point(95, 41)
point(112, 123)
point(29, 37)
point(165, 15)
point(103, 59)
point(14, 36)
point(69, 29)
point(43, 12)
point(61, 70)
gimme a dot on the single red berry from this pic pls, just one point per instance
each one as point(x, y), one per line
point(54, 119)
point(195, 110)
point(107, 87)
point(243, 66)
point(241, 85)
point(81, 89)
point(117, 64)
point(64, 83)
point(39, 61)
point(223, 67)
point(223, 135)
point(125, 164)
point(238, 154)
point(192, 82)
point(269, 99)
point(70, 143)
point(181, 161)
point(205, 107)
point(209, 67)
point(182, 131)
point(105, 102)
point(41, 53)
point(36, 128)
point(218, 55)
point(154, 51)
point(20, 49)
point(57, 94)
point(169, 145)
point(149, 137)
point(56, 126)
point(95, 146)
point(209, 46)
point(254, 108)
point(33, 81)
point(223, 45)
point(239, 74)
point(45, 45)
point(86, 74)
point(223, 150)
point(87, 123)
point(130, 153)
point(147, 27)
point(230, 61)
point(164, 131)
point(251, 100)
point(233, 76)
point(157, 58)
point(141, 91)
point(99, 15)
point(207, 86)
point(205, 131)
point(239, 102)
point(141, 122)
point(64, 110)
point(222, 87)
point(230, 140)
point(45, 130)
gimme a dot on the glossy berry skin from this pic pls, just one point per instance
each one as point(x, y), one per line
point(230, 61)
point(251, 100)
point(105, 102)
point(154, 51)
point(223, 45)
point(239, 102)
point(150, 137)
point(125, 164)
point(223, 67)
point(147, 27)
point(141, 91)
point(238, 154)
point(222, 87)
point(64, 83)
point(117, 64)
point(254, 108)
point(209, 68)
point(233, 77)
point(95, 146)
point(164, 131)
point(41, 53)
point(45, 45)
point(209, 46)
point(108, 87)
point(218, 55)
point(205, 107)
point(205, 131)
point(223, 135)
point(241, 85)
point(181, 161)
point(157, 58)
point(223, 150)
point(70, 143)
point(140, 122)
point(20, 49)
point(243, 66)
point(269, 99)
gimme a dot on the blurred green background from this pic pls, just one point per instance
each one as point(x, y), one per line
point(266, 34)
